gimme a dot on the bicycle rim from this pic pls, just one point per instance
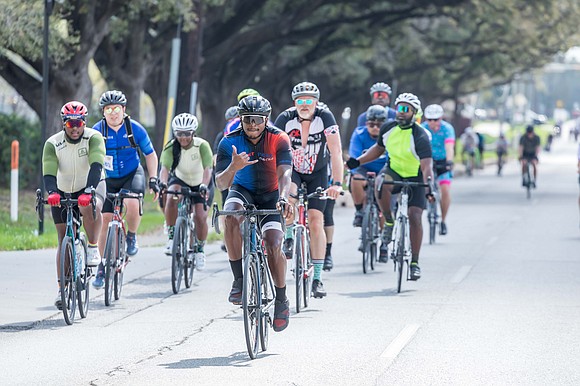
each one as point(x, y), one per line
point(309, 268)
point(266, 321)
point(177, 255)
point(298, 267)
point(251, 304)
point(68, 283)
point(111, 254)
point(365, 240)
point(400, 255)
point(373, 235)
point(83, 282)
point(189, 259)
point(120, 269)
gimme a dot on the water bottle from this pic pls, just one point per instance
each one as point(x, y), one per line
point(80, 252)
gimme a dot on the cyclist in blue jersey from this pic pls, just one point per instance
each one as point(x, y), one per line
point(255, 164)
point(380, 95)
point(363, 137)
point(123, 166)
point(443, 147)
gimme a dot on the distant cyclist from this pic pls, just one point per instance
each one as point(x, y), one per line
point(528, 152)
point(380, 95)
point(410, 158)
point(470, 142)
point(443, 146)
point(186, 161)
point(501, 149)
point(72, 162)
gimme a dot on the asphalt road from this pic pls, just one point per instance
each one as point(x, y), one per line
point(498, 303)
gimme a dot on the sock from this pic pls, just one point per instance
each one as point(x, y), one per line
point(389, 222)
point(170, 230)
point(200, 245)
point(280, 293)
point(289, 231)
point(317, 268)
point(358, 207)
point(130, 235)
point(237, 269)
point(328, 248)
point(92, 245)
point(414, 259)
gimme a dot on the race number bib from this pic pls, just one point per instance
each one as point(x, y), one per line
point(108, 164)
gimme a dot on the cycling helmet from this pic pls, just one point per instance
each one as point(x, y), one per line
point(433, 112)
point(376, 113)
point(409, 98)
point(184, 122)
point(231, 113)
point(73, 110)
point(382, 87)
point(305, 89)
point(254, 105)
point(322, 105)
point(247, 92)
point(112, 97)
point(529, 129)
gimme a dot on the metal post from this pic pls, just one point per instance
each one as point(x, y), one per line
point(173, 79)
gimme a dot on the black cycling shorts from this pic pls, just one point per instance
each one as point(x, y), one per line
point(176, 181)
point(240, 195)
point(313, 181)
point(59, 212)
point(134, 182)
point(416, 197)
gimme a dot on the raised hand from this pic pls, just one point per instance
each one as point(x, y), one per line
point(240, 161)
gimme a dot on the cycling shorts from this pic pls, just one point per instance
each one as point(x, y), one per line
point(329, 213)
point(530, 156)
point(240, 195)
point(417, 195)
point(176, 181)
point(59, 212)
point(134, 182)
point(312, 181)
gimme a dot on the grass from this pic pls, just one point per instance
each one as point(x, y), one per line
point(23, 233)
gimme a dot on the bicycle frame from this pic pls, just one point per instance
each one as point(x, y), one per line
point(370, 229)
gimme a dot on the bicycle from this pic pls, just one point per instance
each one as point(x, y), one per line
point(258, 294)
point(185, 242)
point(528, 179)
point(116, 258)
point(370, 229)
point(433, 214)
point(74, 274)
point(401, 249)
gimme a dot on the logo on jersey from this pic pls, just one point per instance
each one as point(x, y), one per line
point(83, 152)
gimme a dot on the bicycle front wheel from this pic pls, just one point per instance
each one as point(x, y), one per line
point(179, 251)
point(111, 255)
point(189, 260)
point(298, 266)
point(365, 239)
point(308, 269)
point(68, 285)
point(83, 280)
point(121, 261)
point(400, 257)
point(267, 296)
point(432, 215)
point(251, 304)
point(373, 236)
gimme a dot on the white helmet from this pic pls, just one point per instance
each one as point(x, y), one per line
point(184, 122)
point(409, 98)
point(433, 112)
point(305, 89)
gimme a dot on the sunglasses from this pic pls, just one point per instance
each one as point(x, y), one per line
point(374, 124)
point(300, 102)
point(380, 94)
point(183, 134)
point(256, 119)
point(110, 110)
point(432, 120)
point(403, 109)
point(74, 123)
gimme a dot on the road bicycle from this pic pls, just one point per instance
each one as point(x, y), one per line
point(258, 294)
point(116, 258)
point(370, 235)
point(433, 214)
point(185, 243)
point(469, 162)
point(401, 240)
point(74, 274)
point(528, 178)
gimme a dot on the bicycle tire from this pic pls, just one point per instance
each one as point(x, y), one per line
point(432, 216)
point(83, 281)
point(400, 254)
point(298, 252)
point(121, 260)
point(365, 228)
point(68, 286)
point(189, 259)
point(111, 254)
point(177, 255)
point(374, 232)
point(528, 182)
point(267, 295)
point(308, 277)
point(251, 304)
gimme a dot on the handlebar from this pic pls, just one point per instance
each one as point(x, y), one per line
point(185, 191)
point(319, 193)
point(249, 210)
point(124, 194)
point(66, 201)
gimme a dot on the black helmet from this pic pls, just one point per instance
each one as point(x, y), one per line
point(376, 113)
point(254, 105)
point(112, 97)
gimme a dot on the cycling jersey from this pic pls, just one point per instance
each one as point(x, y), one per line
point(530, 145)
point(360, 142)
point(315, 155)
point(406, 148)
point(192, 161)
point(439, 138)
point(272, 150)
point(71, 162)
point(121, 158)
point(232, 125)
point(362, 118)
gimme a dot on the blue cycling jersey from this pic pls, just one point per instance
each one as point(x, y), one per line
point(362, 118)
point(360, 142)
point(122, 159)
point(445, 134)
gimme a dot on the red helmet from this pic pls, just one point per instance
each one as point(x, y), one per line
point(73, 110)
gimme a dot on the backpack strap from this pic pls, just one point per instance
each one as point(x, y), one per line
point(129, 129)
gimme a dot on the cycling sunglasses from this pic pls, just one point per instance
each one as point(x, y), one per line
point(433, 119)
point(304, 101)
point(256, 119)
point(374, 123)
point(110, 110)
point(184, 134)
point(380, 94)
point(74, 123)
point(403, 109)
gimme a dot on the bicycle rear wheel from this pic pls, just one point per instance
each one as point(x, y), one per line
point(251, 304)
point(365, 239)
point(179, 251)
point(308, 276)
point(189, 259)
point(298, 256)
point(68, 285)
point(111, 255)
point(400, 257)
point(83, 280)
point(121, 261)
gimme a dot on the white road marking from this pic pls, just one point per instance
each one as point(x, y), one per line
point(399, 343)
point(461, 274)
